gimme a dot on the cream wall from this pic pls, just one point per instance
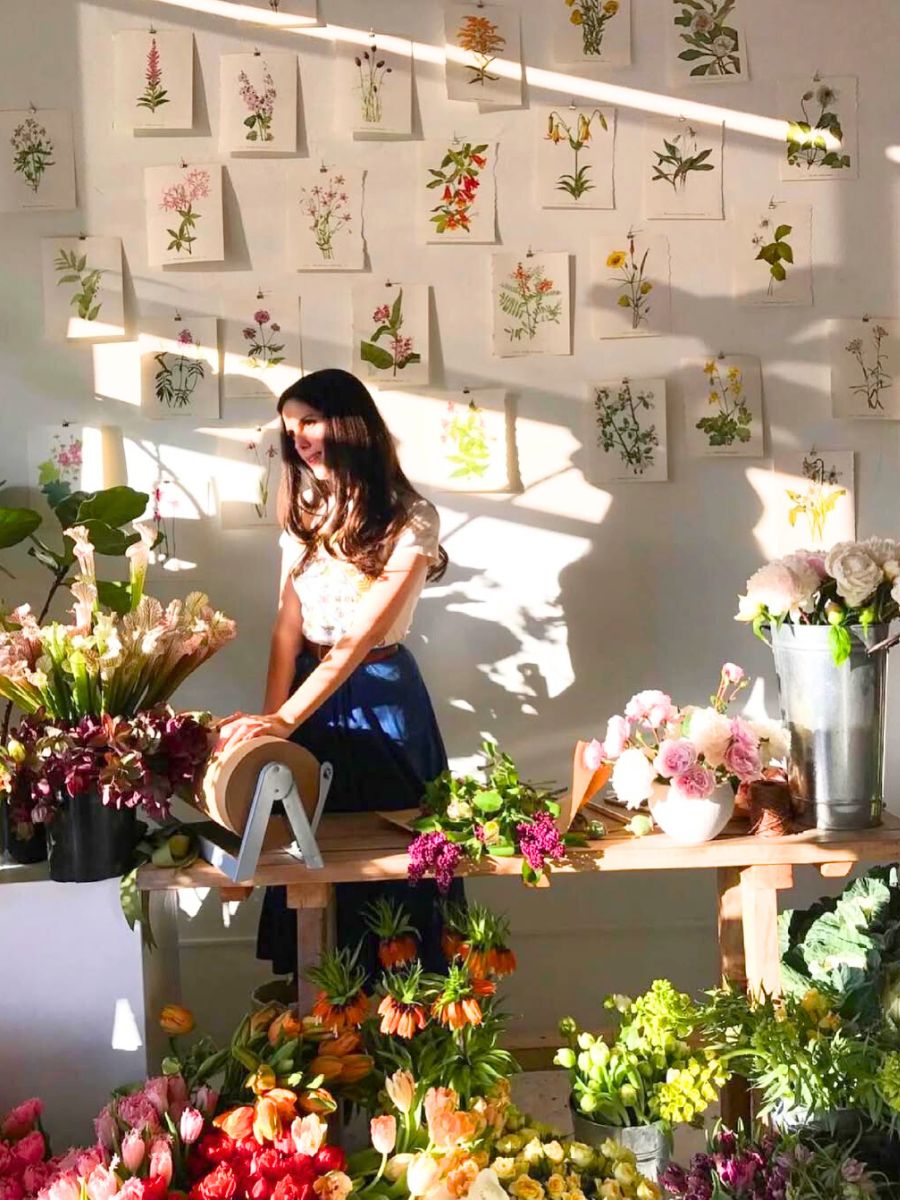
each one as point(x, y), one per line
point(562, 601)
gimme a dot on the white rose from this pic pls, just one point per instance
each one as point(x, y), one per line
point(882, 550)
point(632, 777)
point(710, 731)
point(774, 740)
point(856, 573)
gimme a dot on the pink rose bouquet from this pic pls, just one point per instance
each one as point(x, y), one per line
point(690, 750)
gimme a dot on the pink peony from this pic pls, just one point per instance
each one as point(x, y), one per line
point(592, 755)
point(651, 708)
point(697, 783)
point(675, 756)
point(21, 1119)
point(781, 588)
point(30, 1149)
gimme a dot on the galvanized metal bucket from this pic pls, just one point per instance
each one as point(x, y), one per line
point(836, 720)
point(650, 1144)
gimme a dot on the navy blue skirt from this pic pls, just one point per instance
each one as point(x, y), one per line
point(380, 733)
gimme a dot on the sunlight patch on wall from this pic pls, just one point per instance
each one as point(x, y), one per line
point(125, 1035)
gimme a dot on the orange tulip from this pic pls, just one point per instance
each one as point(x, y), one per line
point(326, 1065)
point(284, 1028)
point(316, 1100)
point(285, 1100)
point(356, 1067)
point(175, 1020)
point(262, 1080)
point(237, 1123)
point(267, 1125)
point(346, 1043)
point(263, 1018)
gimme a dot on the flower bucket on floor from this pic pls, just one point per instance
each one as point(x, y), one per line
point(88, 841)
point(650, 1144)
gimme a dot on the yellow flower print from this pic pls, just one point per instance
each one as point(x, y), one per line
point(611, 7)
point(710, 368)
point(646, 288)
point(617, 259)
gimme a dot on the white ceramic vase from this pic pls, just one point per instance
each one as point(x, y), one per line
point(691, 822)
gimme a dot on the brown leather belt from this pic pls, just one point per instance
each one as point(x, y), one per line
point(320, 651)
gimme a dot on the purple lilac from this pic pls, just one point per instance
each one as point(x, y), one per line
point(433, 852)
point(539, 840)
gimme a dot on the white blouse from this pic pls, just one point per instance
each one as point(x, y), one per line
point(331, 588)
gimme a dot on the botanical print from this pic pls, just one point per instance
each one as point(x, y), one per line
point(814, 500)
point(325, 218)
point(259, 103)
point(531, 304)
point(709, 44)
point(632, 289)
point(459, 197)
point(772, 254)
point(483, 53)
point(180, 367)
point(37, 167)
point(184, 214)
point(575, 157)
point(684, 170)
point(248, 485)
point(865, 369)
point(153, 80)
point(452, 440)
point(56, 458)
point(629, 428)
point(821, 132)
point(591, 31)
point(390, 333)
point(723, 404)
point(82, 287)
point(260, 341)
point(376, 88)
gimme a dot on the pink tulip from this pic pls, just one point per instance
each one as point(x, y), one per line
point(63, 1187)
point(161, 1160)
point(206, 1100)
point(105, 1129)
point(21, 1119)
point(133, 1151)
point(308, 1133)
point(157, 1092)
point(383, 1131)
point(102, 1184)
point(190, 1126)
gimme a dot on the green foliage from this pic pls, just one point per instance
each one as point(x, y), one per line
point(16, 524)
point(674, 166)
point(710, 42)
point(623, 430)
point(816, 140)
point(88, 279)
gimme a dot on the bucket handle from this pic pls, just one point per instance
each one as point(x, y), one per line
point(884, 645)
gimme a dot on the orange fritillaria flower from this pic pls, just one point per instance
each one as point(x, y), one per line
point(338, 1017)
point(396, 952)
point(402, 1020)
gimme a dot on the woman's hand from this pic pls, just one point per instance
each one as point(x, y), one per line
point(242, 727)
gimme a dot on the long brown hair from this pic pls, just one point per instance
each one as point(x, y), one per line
point(370, 492)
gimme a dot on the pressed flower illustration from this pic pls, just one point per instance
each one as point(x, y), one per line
point(328, 207)
point(464, 438)
point(483, 40)
point(776, 252)
point(623, 428)
point(577, 132)
point(372, 72)
point(630, 279)
point(711, 43)
point(731, 419)
point(820, 498)
point(872, 370)
point(398, 351)
point(178, 374)
point(260, 105)
point(154, 94)
point(179, 198)
point(32, 151)
point(457, 177)
point(264, 462)
point(72, 267)
point(679, 157)
point(816, 139)
point(592, 17)
point(263, 351)
point(528, 297)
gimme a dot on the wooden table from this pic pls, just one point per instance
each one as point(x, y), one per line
point(750, 871)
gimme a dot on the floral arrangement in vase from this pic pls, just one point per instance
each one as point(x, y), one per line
point(854, 584)
point(687, 762)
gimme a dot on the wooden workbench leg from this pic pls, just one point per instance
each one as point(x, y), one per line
point(314, 905)
point(735, 1096)
point(759, 903)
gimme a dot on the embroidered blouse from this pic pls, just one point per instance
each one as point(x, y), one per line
point(331, 588)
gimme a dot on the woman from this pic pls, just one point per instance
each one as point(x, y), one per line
point(358, 545)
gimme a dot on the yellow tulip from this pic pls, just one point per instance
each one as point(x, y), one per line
point(175, 1020)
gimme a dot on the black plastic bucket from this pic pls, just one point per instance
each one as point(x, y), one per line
point(87, 840)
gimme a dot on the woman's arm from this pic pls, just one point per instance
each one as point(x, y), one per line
point(287, 639)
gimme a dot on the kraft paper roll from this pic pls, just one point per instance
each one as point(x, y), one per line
point(228, 783)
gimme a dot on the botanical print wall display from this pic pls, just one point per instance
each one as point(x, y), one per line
point(37, 159)
point(180, 367)
point(531, 300)
point(483, 48)
point(629, 430)
point(458, 196)
point(324, 212)
point(865, 369)
point(723, 406)
point(814, 499)
point(683, 171)
point(260, 343)
point(376, 88)
point(576, 151)
point(82, 280)
point(390, 333)
point(591, 31)
point(248, 487)
point(631, 288)
point(259, 103)
point(821, 133)
point(708, 43)
point(153, 80)
point(456, 441)
point(773, 254)
point(184, 214)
